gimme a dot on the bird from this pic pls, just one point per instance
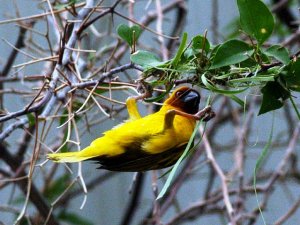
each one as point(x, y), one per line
point(153, 142)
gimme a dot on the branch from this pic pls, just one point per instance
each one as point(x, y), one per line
point(107, 75)
point(35, 196)
point(79, 27)
point(19, 44)
point(219, 171)
point(34, 108)
point(134, 201)
point(12, 127)
point(289, 213)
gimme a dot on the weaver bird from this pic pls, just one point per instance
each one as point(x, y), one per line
point(145, 143)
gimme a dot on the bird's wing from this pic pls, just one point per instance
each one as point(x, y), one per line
point(136, 160)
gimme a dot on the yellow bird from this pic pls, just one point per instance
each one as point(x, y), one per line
point(145, 143)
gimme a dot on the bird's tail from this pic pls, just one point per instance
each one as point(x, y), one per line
point(69, 157)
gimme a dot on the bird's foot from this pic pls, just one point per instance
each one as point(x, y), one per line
point(205, 114)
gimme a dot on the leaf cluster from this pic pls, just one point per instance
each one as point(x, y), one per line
point(231, 67)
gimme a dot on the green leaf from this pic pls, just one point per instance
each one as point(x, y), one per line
point(228, 93)
point(258, 79)
point(231, 52)
point(237, 100)
point(199, 42)
point(215, 89)
point(292, 77)
point(31, 119)
point(199, 45)
point(273, 97)
point(269, 103)
point(145, 59)
point(256, 19)
point(175, 167)
point(214, 51)
point(63, 6)
point(73, 218)
point(278, 52)
point(180, 50)
point(129, 34)
point(189, 53)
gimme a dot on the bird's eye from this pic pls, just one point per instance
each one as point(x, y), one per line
point(179, 93)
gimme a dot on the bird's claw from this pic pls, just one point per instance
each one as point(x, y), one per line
point(205, 114)
point(145, 89)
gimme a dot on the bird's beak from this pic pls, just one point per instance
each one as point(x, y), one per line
point(192, 98)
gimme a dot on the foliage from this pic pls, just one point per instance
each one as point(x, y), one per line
point(233, 66)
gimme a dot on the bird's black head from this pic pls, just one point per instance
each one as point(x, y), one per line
point(186, 99)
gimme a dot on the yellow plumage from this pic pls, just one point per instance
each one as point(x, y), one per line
point(152, 142)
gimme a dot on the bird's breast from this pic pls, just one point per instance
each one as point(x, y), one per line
point(167, 139)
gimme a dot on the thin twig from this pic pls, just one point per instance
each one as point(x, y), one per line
point(289, 213)
point(134, 200)
point(223, 179)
